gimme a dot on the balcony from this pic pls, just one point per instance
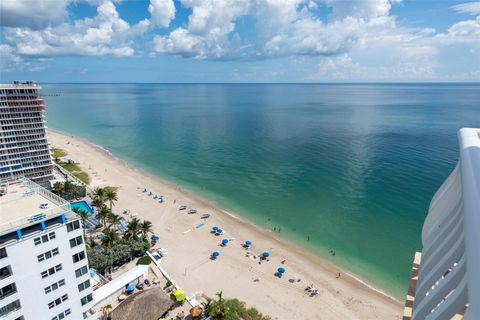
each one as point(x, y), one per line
point(446, 275)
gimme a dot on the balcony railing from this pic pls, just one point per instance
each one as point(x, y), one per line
point(449, 273)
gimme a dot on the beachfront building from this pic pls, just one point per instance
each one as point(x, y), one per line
point(43, 264)
point(24, 150)
point(445, 281)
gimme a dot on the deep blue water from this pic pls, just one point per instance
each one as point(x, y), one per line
point(351, 166)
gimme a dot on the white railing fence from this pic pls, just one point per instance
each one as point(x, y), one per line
point(449, 276)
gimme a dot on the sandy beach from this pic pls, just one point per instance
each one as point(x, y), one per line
point(190, 244)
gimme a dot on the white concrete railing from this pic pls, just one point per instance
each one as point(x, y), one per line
point(449, 275)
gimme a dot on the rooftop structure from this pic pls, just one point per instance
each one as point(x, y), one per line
point(43, 262)
point(24, 202)
point(445, 280)
point(24, 149)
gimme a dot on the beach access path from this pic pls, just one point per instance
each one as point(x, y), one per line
point(189, 247)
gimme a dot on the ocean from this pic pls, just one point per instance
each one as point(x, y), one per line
point(343, 167)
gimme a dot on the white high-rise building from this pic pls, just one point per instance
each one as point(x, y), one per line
point(445, 282)
point(43, 263)
point(24, 149)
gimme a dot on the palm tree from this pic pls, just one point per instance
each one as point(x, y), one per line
point(99, 193)
point(110, 194)
point(57, 187)
point(68, 187)
point(92, 243)
point(133, 229)
point(145, 229)
point(114, 220)
point(103, 215)
point(106, 311)
point(98, 203)
point(84, 217)
point(110, 238)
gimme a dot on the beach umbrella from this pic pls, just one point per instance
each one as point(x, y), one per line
point(215, 254)
point(224, 241)
point(155, 238)
point(215, 228)
point(219, 230)
point(265, 254)
point(131, 287)
point(196, 311)
point(179, 295)
point(281, 270)
point(248, 243)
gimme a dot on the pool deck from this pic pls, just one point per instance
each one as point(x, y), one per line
point(21, 203)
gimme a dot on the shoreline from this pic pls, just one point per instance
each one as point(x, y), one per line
point(327, 267)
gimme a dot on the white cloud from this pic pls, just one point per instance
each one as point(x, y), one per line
point(362, 9)
point(464, 31)
point(353, 40)
point(209, 27)
point(162, 12)
point(282, 28)
point(32, 14)
point(106, 33)
point(9, 61)
point(468, 8)
point(180, 42)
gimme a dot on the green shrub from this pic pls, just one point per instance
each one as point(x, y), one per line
point(82, 176)
point(231, 309)
point(145, 260)
point(58, 153)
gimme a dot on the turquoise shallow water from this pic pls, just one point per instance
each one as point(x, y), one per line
point(351, 166)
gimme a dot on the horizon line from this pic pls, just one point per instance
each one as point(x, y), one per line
point(262, 83)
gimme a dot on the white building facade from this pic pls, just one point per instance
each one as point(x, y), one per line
point(43, 263)
point(24, 150)
point(445, 280)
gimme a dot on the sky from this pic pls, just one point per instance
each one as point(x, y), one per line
point(176, 41)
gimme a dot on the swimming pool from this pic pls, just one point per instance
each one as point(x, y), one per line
point(83, 205)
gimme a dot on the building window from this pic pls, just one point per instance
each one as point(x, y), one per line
point(51, 271)
point(84, 285)
point(62, 315)
point(86, 299)
point(54, 286)
point(7, 290)
point(47, 255)
point(44, 238)
point(81, 271)
point(73, 225)
point(78, 256)
point(58, 301)
point(3, 253)
point(76, 241)
point(11, 307)
point(5, 272)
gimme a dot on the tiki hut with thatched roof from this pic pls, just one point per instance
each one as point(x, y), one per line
point(149, 304)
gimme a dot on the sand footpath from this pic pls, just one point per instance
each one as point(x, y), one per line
point(190, 245)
